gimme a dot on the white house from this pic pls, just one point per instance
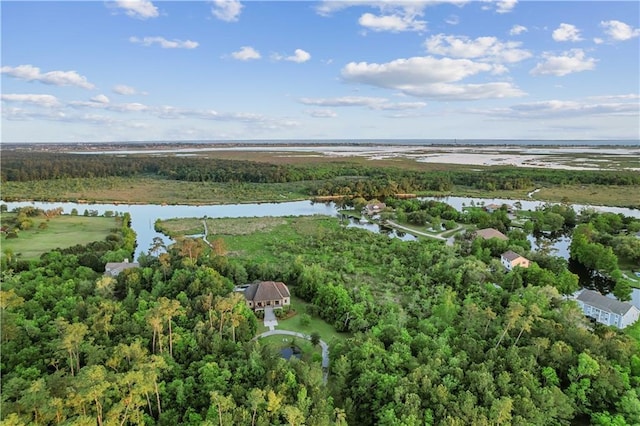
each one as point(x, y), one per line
point(511, 259)
point(606, 310)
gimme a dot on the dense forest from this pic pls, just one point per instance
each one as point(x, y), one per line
point(439, 335)
point(344, 179)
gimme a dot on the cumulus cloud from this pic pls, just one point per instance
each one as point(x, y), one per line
point(122, 89)
point(226, 10)
point(563, 108)
point(392, 23)
point(429, 77)
point(102, 99)
point(569, 62)
point(141, 9)
point(246, 53)
point(517, 30)
point(483, 48)
point(363, 101)
point(164, 43)
point(33, 99)
point(505, 6)
point(619, 31)
point(299, 56)
point(322, 113)
point(566, 32)
point(56, 78)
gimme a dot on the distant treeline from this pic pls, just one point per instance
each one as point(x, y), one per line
point(331, 178)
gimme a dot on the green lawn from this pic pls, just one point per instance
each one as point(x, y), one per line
point(60, 232)
point(326, 330)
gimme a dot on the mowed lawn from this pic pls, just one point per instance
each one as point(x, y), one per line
point(61, 232)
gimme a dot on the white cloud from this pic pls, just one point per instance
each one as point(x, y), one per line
point(164, 43)
point(453, 20)
point(57, 78)
point(392, 23)
point(141, 9)
point(327, 7)
point(122, 89)
point(569, 62)
point(559, 109)
point(364, 101)
point(322, 113)
point(246, 53)
point(619, 31)
point(33, 99)
point(429, 77)
point(505, 6)
point(484, 48)
point(517, 30)
point(299, 56)
point(226, 10)
point(566, 32)
point(102, 99)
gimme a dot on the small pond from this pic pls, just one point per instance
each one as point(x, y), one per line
point(291, 351)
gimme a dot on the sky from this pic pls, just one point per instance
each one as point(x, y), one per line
point(142, 70)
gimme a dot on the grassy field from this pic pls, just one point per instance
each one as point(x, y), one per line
point(61, 232)
point(248, 237)
point(596, 195)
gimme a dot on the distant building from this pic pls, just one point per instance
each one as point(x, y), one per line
point(606, 310)
point(113, 269)
point(267, 294)
point(489, 233)
point(511, 259)
point(373, 209)
point(490, 208)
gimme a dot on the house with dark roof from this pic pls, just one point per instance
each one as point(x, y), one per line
point(113, 269)
point(264, 294)
point(510, 259)
point(489, 233)
point(606, 310)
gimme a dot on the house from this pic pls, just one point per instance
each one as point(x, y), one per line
point(113, 269)
point(490, 208)
point(606, 310)
point(267, 294)
point(489, 233)
point(373, 209)
point(510, 259)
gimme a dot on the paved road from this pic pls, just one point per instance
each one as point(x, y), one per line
point(323, 345)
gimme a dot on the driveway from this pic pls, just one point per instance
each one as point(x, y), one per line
point(270, 319)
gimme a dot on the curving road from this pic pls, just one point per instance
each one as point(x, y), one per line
point(323, 345)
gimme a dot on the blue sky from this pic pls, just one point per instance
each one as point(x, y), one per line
point(94, 71)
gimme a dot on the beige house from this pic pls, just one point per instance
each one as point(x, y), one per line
point(511, 259)
point(267, 294)
point(113, 269)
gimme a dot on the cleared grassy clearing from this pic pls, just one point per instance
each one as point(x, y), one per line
point(61, 232)
point(610, 195)
point(251, 237)
point(294, 323)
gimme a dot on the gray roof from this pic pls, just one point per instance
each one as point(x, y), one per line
point(114, 268)
point(266, 290)
point(604, 303)
point(511, 255)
